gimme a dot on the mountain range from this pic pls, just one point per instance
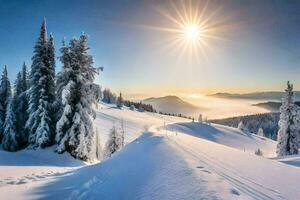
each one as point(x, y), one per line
point(271, 95)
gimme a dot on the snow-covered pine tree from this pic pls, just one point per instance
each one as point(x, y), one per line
point(141, 109)
point(108, 96)
point(122, 134)
point(61, 80)
point(24, 75)
point(241, 126)
point(23, 107)
point(260, 132)
point(206, 120)
point(20, 102)
point(75, 132)
point(297, 128)
point(105, 96)
point(5, 94)
point(120, 101)
point(10, 140)
point(114, 142)
point(99, 150)
point(288, 124)
point(200, 119)
point(41, 123)
point(15, 103)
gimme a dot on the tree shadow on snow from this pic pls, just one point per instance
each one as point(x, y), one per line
point(39, 157)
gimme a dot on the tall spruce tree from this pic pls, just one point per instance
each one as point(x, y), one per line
point(41, 122)
point(61, 81)
point(16, 101)
point(10, 140)
point(20, 102)
point(75, 132)
point(5, 94)
point(288, 124)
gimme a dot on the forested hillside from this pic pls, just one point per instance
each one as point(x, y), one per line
point(267, 121)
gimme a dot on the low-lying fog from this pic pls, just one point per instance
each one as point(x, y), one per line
point(216, 108)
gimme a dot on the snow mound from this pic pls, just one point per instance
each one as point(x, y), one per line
point(228, 136)
point(148, 168)
point(121, 177)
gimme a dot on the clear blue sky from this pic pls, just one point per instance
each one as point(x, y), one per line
point(260, 51)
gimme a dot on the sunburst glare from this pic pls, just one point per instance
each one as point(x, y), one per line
point(192, 25)
point(192, 32)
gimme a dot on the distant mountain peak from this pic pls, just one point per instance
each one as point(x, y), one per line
point(164, 97)
point(172, 104)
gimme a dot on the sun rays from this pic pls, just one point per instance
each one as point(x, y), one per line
point(192, 26)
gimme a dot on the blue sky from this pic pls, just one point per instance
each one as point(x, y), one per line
point(259, 52)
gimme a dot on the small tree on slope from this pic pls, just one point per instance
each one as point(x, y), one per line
point(41, 122)
point(122, 134)
point(120, 101)
point(99, 151)
point(288, 124)
point(114, 142)
point(260, 132)
point(200, 118)
point(75, 132)
point(10, 140)
point(5, 94)
point(242, 127)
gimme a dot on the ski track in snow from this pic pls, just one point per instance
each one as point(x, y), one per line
point(217, 179)
point(243, 184)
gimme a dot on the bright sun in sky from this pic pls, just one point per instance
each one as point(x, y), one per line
point(192, 25)
point(192, 32)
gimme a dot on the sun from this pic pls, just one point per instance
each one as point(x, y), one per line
point(192, 32)
point(192, 25)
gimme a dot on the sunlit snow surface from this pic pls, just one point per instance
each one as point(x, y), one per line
point(174, 159)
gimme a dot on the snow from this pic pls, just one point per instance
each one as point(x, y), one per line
point(228, 136)
point(290, 160)
point(135, 122)
point(24, 169)
point(174, 159)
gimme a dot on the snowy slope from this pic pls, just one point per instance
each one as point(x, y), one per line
point(135, 122)
point(28, 168)
point(24, 169)
point(290, 160)
point(228, 136)
point(177, 159)
point(169, 166)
